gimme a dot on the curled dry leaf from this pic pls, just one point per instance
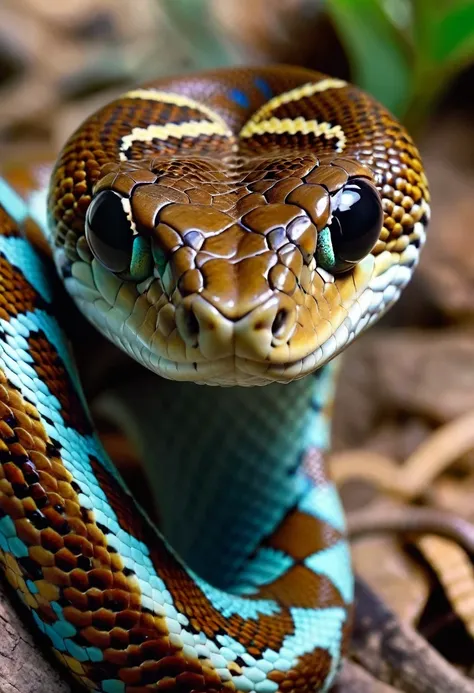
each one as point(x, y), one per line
point(442, 449)
point(454, 495)
point(455, 572)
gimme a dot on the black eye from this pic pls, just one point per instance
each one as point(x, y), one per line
point(108, 231)
point(354, 229)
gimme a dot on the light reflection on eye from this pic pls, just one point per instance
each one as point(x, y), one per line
point(348, 199)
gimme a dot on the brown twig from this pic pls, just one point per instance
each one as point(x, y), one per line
point(395, 654)
point(412, 520)
point(446, 445)
point(354, 679)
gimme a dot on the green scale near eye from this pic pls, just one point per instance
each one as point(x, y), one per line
point(160, 259)
point(325, 257)
point(141, 262)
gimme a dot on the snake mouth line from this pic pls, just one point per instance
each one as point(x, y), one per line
point(217, 365)
point(233, 370)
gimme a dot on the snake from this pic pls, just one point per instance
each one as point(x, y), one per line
point(235, 228)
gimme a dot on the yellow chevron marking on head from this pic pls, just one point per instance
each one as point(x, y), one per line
point(296, 94)
point(193, 128)
point(176, 100)
point(289, 126)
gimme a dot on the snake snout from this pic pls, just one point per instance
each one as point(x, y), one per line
point(269, 325)
point(201, 325)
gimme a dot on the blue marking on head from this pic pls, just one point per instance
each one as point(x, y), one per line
point(263, 86)
point(239, 97)
point(335, 563)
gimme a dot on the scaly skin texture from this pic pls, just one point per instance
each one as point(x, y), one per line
point(234, 189)
point(228, 179)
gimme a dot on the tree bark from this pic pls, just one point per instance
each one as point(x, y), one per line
point(354, 679)
point(394, 653)
point(25, 666)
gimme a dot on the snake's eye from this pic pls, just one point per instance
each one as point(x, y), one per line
point(108, 231)
point(354, 229)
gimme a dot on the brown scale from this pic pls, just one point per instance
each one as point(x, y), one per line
point(8, 226)
point(300, 587)
point(16, 294)
point(50, 368)
point(208, 146)
point(311, 673)
point(301, 535)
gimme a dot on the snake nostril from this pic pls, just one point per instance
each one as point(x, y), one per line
point(191, 323)
point(279, 323)
point(188, 325)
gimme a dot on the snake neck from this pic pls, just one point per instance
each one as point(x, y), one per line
point(225, 465)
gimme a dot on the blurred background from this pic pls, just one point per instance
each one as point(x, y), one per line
point(407, 379)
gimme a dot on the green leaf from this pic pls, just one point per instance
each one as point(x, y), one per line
point(446, 32)
point(194, 21)
point(375, 49)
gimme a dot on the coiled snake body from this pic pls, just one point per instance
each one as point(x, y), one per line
point(231, 228)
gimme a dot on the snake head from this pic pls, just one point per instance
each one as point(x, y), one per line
point(227, 251)
point(257, 285)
